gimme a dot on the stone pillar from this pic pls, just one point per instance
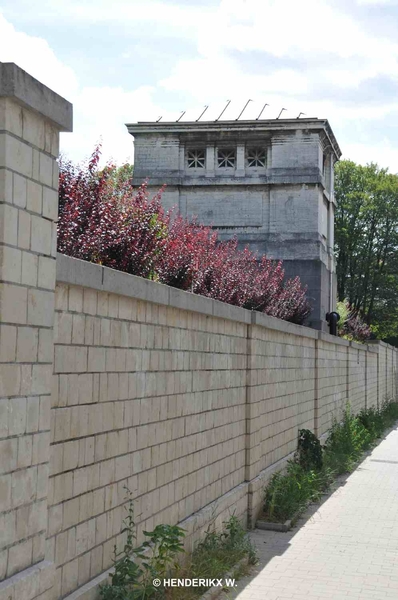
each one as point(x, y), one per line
point(240, 160)
point(210, 161)
point(31, 117)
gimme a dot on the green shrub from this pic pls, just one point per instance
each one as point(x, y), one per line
point(373, 420)
point(288, 494)
point(137, 566)
point(215, 556)
point(314, 467)
point(346, 441)
point(220, 551)
point(309, 450)
point(389, 411)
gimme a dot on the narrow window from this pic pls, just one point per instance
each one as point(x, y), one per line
point(226, 158)
point(256, 157)
point(196, 159)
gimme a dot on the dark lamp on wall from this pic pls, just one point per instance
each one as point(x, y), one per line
point(332, 318)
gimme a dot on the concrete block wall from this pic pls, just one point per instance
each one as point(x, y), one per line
point(31, 117)
point(298, 149)
point(356, 376)
point(371, 374)
point(332, 380)
point(391, 372)
point(108, 380)
point(281, 390)
point(146, 396)
point(191, 403)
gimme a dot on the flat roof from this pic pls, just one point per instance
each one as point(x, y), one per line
point(163, 127)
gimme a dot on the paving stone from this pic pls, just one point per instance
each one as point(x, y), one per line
point(346, 548)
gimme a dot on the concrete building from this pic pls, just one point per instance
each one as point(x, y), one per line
point(270, 183)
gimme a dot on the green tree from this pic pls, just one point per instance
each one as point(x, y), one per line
point(367, 243)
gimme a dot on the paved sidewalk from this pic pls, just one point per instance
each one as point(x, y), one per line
point(347, 548)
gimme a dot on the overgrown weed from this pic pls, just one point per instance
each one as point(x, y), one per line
point(314, 467)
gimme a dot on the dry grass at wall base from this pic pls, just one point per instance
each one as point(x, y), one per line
point(314, 467)
point(162, 556)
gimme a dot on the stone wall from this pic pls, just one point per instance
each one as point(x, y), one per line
point(31, 117)
point(190, 403)
point(282, 207)
point(108, 380)
point(145, 395)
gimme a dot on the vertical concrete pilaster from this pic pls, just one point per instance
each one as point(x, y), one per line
point(366, 380)
point(210, 161)
point(316, 389)
point(240, 160)
point(348, 375)
point(378, 380)
point(31, 117)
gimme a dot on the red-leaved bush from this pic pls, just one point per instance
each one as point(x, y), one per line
point(102, 219)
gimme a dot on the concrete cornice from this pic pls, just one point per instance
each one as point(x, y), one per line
point(265, 126)
point(18, 85)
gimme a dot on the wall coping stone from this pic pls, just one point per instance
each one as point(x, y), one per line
point(90, 590)
point(17, 84)
point(383, 344)
point(74, 271)
point(358, 346)
point(373, 348)
point(332, 339)
point(34, 577)
point(263, 320)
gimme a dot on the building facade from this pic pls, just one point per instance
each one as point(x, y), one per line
point(269, 183)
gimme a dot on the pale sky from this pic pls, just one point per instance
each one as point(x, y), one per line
point(133, 60)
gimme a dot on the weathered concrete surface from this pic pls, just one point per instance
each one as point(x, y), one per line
point(282, 207)
point(28, 91)
point(31, 117)
point(345, 548)
point(190, 402)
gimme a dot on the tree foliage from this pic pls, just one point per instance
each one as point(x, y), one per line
point(350, 325)
point(367, 242)
point(104, 220)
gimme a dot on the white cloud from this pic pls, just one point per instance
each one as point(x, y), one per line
point(99, 112)
point(171, 19)
point(377, 2)
point(103, 112)
point(34, 55)
point(219, 77)
point(285, 27)
point(383, 153)
point(304, 31)
point(333, 50)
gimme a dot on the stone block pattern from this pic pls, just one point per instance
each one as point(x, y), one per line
point(391, 372)
point(144, 396)
point(371, 379)
point(357, 378)
point(281, 390)
point(190, 404)
point(28, 209)
point(332, 383)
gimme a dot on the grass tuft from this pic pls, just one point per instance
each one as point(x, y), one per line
point(313, 469)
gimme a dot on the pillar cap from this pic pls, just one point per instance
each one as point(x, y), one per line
point(17, 84)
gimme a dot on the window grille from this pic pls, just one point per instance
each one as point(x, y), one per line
point(256, 157)
point(226, 158)
point(196, 159)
